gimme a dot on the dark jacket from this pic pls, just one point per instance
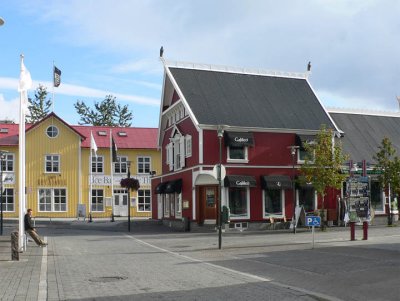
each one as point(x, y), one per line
point(28, 222)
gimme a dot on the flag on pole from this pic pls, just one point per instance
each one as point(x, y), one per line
point(57, 77)
point(25, 80)
point(114, 150)
point(25, 83)
point(93, 146)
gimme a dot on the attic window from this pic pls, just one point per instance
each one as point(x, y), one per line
point(4, 130)
point(102, 133)
point(122, 134)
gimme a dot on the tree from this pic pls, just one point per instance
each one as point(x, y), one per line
point(105, 113)
point(38, 107)
point(323, 163)
point(389, 165)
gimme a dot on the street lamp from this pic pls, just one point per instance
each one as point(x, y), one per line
point(2, 157)
point(128, 163)
point(293, 149)
point(220, 135)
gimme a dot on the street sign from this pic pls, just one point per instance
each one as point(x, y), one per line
point(313, 221)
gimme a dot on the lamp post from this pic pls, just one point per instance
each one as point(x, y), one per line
point(2, 157)
point(293, 149)
point(220, 135)
point(129, 196)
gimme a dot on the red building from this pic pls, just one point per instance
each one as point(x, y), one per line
point(253, 120)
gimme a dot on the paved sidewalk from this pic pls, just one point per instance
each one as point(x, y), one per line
point(19, 280)
point(41, 273)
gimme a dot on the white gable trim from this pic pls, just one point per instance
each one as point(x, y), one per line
point(181, 96)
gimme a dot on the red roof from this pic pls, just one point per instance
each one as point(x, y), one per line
point(124, 137)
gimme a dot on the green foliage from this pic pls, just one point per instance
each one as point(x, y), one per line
point(388, 164)
point(38, 107)
point(323, 163)
point(105, 113)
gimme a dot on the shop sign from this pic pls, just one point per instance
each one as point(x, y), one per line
point(105, 180)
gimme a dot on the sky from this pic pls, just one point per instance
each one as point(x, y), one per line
point(108, 47)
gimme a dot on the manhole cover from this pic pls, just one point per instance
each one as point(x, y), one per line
point(108, 279)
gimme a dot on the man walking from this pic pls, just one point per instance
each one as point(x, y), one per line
point(31, 230)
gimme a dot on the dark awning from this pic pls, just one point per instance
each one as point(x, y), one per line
point(302, 184)
point(161, 187)
point(302, 139)
point(276, 182)
point(240, 181)
point(174, 186)
point(238, 139)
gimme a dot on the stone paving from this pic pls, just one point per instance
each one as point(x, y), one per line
point(101, 261)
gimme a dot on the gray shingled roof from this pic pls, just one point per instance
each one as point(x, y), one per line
point(363, 134)
point(245, 100)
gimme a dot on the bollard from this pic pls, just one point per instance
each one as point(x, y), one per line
point(365, 230)
point(14, 246)
point(352, 231)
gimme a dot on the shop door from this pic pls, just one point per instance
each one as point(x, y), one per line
point(209, 201)
point(121, 204)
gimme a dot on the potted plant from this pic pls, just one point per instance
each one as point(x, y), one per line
point(130, 184)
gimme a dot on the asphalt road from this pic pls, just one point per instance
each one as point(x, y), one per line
point(102, 261)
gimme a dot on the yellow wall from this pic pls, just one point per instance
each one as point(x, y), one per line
point(74, 171)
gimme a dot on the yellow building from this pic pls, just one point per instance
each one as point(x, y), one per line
point(66, 178)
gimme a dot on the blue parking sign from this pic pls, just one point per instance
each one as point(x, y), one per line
point(313, 221)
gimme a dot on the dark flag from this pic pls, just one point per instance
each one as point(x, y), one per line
point(57, 77)
point(114, 150)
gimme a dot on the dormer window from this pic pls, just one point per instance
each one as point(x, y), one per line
point(102, 133)
point(122, 134)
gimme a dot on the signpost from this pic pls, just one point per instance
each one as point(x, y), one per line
point(313, 221)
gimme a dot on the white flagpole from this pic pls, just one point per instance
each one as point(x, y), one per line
point(112, 178)
point(24, 84)
point(90, 178)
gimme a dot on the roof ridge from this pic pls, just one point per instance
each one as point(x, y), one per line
point(238, 70)
point(358, 111)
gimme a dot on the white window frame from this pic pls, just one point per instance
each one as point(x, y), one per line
point(178, 204)
point(166, 205)
point(97, 203)
point(8, 161)
point(315, 201)
point(122, 162)
point(56, 131)
point(141, 199)
point(52, 162)
point(95, 163)
point(52, 199)
point(240, 217)
point(8, 199)
point(143, 164)
point(188, 146)
point(268, 215)
point(246, 156)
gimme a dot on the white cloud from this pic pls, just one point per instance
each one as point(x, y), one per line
point(80, 91)
point(9, 109)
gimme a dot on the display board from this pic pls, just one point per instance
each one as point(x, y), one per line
point(358, 197)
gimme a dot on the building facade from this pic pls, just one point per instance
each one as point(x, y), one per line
point(249, 122)
point(65, 178)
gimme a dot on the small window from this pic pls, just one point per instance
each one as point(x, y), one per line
point(122, 134)
point(52, 131)
point(237, 153)
point(102, 133)
point(188, 146)
point(4, 130)
point(52, 163)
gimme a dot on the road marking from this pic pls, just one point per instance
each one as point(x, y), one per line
point(42, 293)
point(262, 279)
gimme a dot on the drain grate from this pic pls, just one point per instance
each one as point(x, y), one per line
point(108, 279)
